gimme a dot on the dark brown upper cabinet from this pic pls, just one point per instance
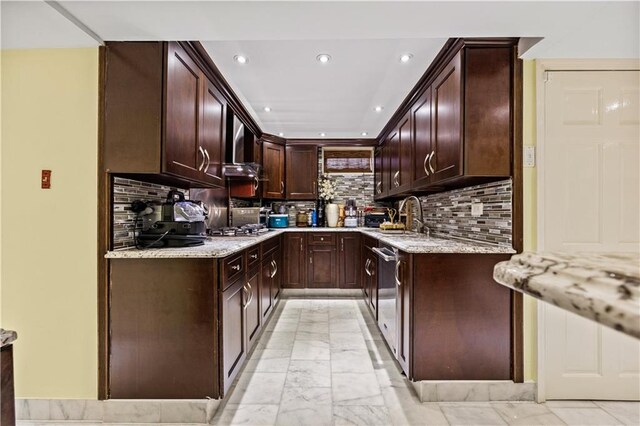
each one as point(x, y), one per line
point(401, 160)
point(273, 165)
point(421, 116)
point(163, 117)
point(383, 170)
point(302, 172)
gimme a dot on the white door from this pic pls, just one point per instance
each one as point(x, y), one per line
point(591, 202)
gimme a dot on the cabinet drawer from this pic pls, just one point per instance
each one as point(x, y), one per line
point(253, 256)
point(321, 239)
point(270, 245)
point(233, 266)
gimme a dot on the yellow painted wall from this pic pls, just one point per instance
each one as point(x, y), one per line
point(529, 208)
point(48, 278)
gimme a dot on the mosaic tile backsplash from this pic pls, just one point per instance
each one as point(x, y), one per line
point(126, 191)
point(448, 214)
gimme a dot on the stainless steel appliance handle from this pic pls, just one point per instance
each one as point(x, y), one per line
point(433, 153)
point(397, 274)
point(385, 255)
point(206, 153)
point(424, 164)
point(203, 158)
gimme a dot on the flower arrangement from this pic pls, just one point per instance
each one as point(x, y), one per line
point(327, 188)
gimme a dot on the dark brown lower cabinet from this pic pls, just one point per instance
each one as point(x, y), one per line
point(295, 260)
point(234, 341)
point(322, 267)
point(454, 320)
point(253, 320)
point(163, 328)
point(7, 395)
point(348, 260)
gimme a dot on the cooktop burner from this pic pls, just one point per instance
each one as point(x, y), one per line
point(242, 231)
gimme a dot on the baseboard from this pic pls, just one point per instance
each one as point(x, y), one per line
point(320, 292)
point(474, 390)
point(118, 410)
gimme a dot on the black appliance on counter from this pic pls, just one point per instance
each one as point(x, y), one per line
point(181, 224)
point(373, 220)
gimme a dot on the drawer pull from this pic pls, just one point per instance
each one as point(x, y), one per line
point(236, 267)
point(254, 256)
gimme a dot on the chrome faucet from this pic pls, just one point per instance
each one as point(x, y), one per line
point(421, 226)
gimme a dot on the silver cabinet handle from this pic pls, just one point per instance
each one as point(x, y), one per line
point(311, 260)
point(281, 187)
point(397, 274)
point(321, 238)
point(424, 164)
point(366, 267)
point(250, 294)
point(301, 244)
point(203, 158)
point(254, 256)
point(395, 178)
point(433, 153)
point(257, 183)
point(236, 267)
point(246, 298)
point(378, 189)
point(275, 265)
point(342, 244)
point(206, 153)
point(314, 188)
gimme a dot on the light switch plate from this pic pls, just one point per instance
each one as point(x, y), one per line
point(529, 156)
point(477, 209)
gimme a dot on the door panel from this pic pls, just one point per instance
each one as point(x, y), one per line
point(212, 133)
point(322, 267)
point(273, 162)
point(421, 116)
point(295, 261)
point(349, 260)
point(253, 307)
point(447, 106)
point(591, 203)
point(233, 337)
point(183, 113)
point(302, 172)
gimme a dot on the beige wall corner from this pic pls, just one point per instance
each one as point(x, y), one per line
point(48, 240)
point(529, 209)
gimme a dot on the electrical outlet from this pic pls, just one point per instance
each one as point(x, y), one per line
point(529, 156)
point(45, 179)
point(477, 209)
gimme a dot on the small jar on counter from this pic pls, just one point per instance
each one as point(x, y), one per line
point(302, 219)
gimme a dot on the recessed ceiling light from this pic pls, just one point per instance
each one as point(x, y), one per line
point(323, 58)
point(406, 57)
point(378, 108)
point(240, 59)
point(364, 134)
point(267, 109)
point(280, 134)
point(323, 134)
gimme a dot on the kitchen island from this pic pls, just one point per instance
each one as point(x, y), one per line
point(603, 287)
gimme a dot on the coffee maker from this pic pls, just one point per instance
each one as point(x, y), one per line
point(181, 224)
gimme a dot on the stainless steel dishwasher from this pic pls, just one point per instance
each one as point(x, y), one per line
point(387, 294)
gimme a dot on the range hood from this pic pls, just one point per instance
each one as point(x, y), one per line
point(236, 166)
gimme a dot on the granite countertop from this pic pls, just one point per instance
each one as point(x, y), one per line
point(7, 337)
point(216, 247)
point(604, 287)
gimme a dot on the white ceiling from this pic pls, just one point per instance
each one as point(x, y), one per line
point(364, 38)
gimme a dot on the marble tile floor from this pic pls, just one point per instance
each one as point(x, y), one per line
point(324, 362)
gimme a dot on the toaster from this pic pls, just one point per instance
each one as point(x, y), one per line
point(373, 220)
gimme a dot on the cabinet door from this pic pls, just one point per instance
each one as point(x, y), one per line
point(402, 164)
point(212, 134)
point(295, 262)
point(403, 310)
point(322, 267)
point(253, 318)
point(273, 161)
point(446, 162)
point(184, 83)
point(302, 172)
point(377, 161)
point(349, 260)
point(266, 279)
point(421, 116)
point(373, 284)
point(276, 283)
point(233, 331)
